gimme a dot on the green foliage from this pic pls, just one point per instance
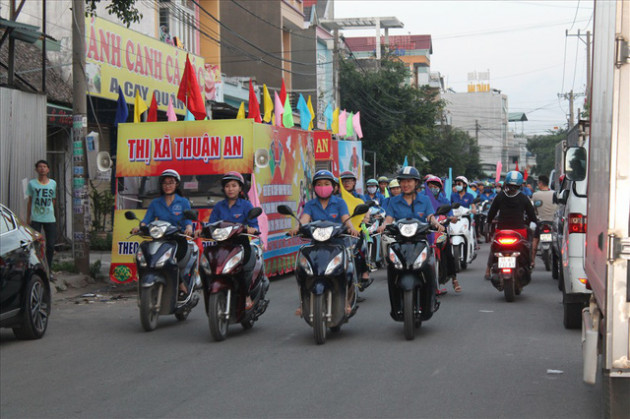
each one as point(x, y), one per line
point(95, 269)
point(125, 10)
point(102, 203)
point(544, 147)
point(64, 266)
point(453, 148)
point(98, 242)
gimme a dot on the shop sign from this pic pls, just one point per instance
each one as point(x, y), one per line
point(323, 145)
point(58, 117)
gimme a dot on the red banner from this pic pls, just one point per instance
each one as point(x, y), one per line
point(323, 145)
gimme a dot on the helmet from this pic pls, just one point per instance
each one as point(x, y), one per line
point(394, 184)
point(462, 179)
point(348, 175)
point(514, 178)
point(383, 179)
point(324, 174)
point(408, 172)
point(372, 182)
point(170, 173)
point(435, 179)
point(233, 176)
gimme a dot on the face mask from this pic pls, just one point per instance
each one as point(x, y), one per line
point(372, 189)
point(324, 191)
point(435, 191)
point(459, 188)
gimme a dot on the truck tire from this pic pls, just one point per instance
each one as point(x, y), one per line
point(555, 266)
point(615, 393)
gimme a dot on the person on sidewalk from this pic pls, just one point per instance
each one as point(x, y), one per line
point(40, 211)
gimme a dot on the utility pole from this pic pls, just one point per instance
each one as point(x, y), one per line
point(80, 203)
point(587, 42)
point(336, 66)
point(477, 131)
point(570, 97)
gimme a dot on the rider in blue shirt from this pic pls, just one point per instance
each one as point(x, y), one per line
point(462, 197)
point(349, 182)
point(485, 192)
point(373, 194)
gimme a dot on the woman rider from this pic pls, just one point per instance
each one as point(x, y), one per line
point(326, 207)
point(234, 208)
point(170, 207)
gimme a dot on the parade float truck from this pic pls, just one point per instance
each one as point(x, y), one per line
point(605, 322)
point(280, 160)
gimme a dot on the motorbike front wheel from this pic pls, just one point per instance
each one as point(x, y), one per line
point(546, 257)
point(217, 317)
point(319, 319)
point(408, 316)
point(509, 289)
point(457, 257)
point(148, 307)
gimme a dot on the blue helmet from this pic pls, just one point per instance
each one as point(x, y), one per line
point(514, 178)
point(324, 174)
point(408, 172)
point(372, 182)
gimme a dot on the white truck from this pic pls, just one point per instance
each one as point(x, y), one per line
point(605, 322)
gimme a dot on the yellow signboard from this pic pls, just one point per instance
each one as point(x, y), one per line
point(117, 56)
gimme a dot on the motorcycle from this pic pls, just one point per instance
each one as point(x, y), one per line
point(510, 273)
point(411, 273)
point(222, 273)
point(374, 245)
point(164, 260)
point(440, 241)
point(463, 237)
point(546, 238)
point(484, 227)
point(325, 271)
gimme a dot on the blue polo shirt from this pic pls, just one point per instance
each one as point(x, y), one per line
point(335, 209)
point(464, 201)
point(378, 197)
point(174, 213)
point(527, 192)
point(487, 196)
point(235, 214)
point(420, 209)
point(357, 195)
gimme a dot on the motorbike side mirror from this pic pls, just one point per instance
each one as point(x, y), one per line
point(456, 205)
point(361, 209)
point(538, 203)
point(254, 213)
point(130, 215)
point(191, 215)
point(285, 210)
point(371, 204)
point(443, 209)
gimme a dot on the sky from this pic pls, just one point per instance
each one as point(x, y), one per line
point(521, 43)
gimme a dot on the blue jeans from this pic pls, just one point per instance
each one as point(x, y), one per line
point(50, 231)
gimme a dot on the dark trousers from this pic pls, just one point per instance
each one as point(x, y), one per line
point(50, 231)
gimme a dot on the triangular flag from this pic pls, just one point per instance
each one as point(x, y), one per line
point(311, 110)
point(268, 103)
point(170, 112)
point(287, 114)
point(152, 116)
point(305, 114)
point(525, 174)
point(279, 108)
point(189, 116)
point(516, 166)
point(356, 124)
point(139, 107)
point(263, 223)
point(254, 107)
point(342, 123)
point(328, 114)
point(349, 128)
point(405, 163)
point(335, 121)
point(283, 93)
point(122, 112)
point(190, 93)
point(241, 111)
point(497, 177)
point(352, 202)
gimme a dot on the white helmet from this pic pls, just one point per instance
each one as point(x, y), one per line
point(170, 173)
point(462, 179)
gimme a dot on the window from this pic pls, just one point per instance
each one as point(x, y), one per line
point(178, 16)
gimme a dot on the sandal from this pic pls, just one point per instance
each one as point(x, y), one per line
point(456, 286)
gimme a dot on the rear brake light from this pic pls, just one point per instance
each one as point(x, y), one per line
point(546, 230)
point(506, 270)
point(577, 223)
point(506, 241)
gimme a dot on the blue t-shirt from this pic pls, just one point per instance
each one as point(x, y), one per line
point(464, 201)
point(378, 197)
point(419, 209)
point(235, 214)
point(487, 196)
point(42, 197)
point(335, 209)
point(173, 213)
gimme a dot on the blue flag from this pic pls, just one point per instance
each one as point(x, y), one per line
point(405, 163)
point(470, 191)
point(448, 185)
point(189, 116)
point(328, 114)
point(122, 112)
point(305, 114)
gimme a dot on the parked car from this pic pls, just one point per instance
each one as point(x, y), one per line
point(25, 300)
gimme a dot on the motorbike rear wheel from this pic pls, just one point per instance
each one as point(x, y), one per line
point(319, 318)
point(509, 289)
point(217, 319)
point(148, 303)
point(546, 257)
point(408, 316)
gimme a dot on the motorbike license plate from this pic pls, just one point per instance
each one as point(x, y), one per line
point(545, 237)
point(507, 262)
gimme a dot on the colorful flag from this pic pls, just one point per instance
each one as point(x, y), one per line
point(241, 111)
point(279, 108)
point(497, 177)
point(305, 114)
point(448, 185)
point(352, 202)
point(312, 111)
point(356, 124)
point(254, 107)
point(349, 127)
point(152, 116)
point(342, 123)
point(268, 104)
point(525, 174)
point(122, 112)
point(335, 121)
point(328, 114)
point(263, 223)
point(287, 114)
point(283, 93)
point(139, 107)
point(190, 93)
point(170, 112)
point(516, 166)
point(405, 163)
point(189, 116)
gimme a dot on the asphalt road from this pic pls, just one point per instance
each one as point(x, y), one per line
point(478, 357)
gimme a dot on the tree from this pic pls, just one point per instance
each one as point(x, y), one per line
point(455, 149)
point(544, 147)
point(125, 10)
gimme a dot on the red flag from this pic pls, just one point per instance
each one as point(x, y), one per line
point(283, 93)
point(254, 107)
point(190, 93)
point(152, 116)
point(516, 166)
point(525, 175)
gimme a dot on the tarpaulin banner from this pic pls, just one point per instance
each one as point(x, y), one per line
point(323, 145)
point(350, 159)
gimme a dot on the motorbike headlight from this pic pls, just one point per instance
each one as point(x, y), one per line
point(303, 262)
point(421, 258)
point(220, 234)
point(394, 259)
point(140, 258)
point(323, 234)
point(164, 258)
point(234, 260)
point(334, 263)
point(408, 230)
point(205, 265)
point(157, 231)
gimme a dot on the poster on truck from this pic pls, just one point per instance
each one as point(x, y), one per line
point(350, 159)
point(201, 152)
